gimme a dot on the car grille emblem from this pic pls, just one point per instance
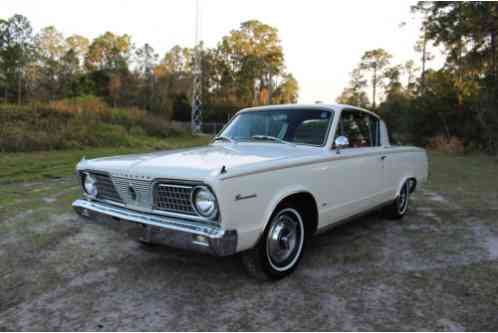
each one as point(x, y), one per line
point(133, 193)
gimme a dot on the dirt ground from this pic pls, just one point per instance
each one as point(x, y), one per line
point(437, 269)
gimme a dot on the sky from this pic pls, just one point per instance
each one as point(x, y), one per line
point(323, 40)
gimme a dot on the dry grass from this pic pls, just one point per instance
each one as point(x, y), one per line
point(77, 123)
point(447, 145)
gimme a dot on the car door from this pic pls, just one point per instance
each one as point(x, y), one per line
point(355, 172)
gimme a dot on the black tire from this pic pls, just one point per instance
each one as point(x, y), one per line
point(398, 208)
point(277, 256)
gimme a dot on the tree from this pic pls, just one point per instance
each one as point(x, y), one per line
point(177, 60)
point(51, 48)
point(393, 77)
point(3, 77)
point(252, 57)
point(146, 61)
point(411, 70)
point(374, 62)
point(50, 43)
point(109, 52)
point(173, 82)
point(287, 91)
point(353, 94)
point(468, 30)
point(115, 86)
point(79, 45)
point(16, 52)
point(468, 33)
point(245, 68)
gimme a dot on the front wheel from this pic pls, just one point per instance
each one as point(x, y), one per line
point(398, 208)
point(280, 248)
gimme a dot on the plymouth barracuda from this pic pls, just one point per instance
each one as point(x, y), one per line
point(270, 180)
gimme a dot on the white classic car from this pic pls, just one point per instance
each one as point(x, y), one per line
point(271, 179)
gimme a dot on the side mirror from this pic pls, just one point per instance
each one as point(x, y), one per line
point(341, 142)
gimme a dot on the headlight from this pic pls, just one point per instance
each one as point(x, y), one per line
point(204, 202)
point(90, 185)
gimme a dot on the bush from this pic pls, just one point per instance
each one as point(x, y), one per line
point(75, 123)
point(137, 131)
point(443, 144)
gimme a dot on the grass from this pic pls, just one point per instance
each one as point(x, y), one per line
point(15, 167)
point(471, 180)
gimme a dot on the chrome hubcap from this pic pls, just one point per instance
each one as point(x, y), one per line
point(284, 240)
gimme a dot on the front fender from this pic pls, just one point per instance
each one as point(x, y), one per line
point(279, 197)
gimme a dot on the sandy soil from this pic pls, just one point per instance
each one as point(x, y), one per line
point(437, 269)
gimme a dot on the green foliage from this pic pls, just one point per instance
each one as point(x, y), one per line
point(245, 68)
point(375, 62)
point(108, 52)
point(354, 94)
point(80, 122)
point(16, 52)
point(449, 107)
point(468, 33)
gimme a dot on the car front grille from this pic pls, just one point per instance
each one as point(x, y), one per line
point(173, 198)
point(106, 189)
point(161, 196)
point(133, 191)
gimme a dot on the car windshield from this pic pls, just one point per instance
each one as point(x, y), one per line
point(299, 126)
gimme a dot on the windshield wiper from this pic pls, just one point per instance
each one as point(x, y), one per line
point(224, 138)
point(270, 138)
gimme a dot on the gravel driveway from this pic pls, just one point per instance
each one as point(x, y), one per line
point(437, 269)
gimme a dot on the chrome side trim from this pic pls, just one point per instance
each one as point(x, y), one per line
point(335, 157)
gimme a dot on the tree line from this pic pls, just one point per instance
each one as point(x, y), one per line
point(245, 68)
point(456, 105)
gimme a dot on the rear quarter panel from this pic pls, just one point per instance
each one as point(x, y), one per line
point(403, 163)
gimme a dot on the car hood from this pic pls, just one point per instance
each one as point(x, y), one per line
point(197, 163)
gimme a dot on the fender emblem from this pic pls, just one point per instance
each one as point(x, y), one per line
point(243, 197)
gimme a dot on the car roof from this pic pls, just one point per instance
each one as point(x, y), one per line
point(317, 106)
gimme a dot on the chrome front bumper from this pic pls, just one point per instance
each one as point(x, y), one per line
point(174, 232)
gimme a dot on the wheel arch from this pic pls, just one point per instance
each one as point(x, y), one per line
point(306, 204)
point(411, 178)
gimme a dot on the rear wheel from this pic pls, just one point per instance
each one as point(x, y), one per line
point(398, 208)
point(279, 250)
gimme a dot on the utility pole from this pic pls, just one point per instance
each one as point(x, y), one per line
point(196, 121)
